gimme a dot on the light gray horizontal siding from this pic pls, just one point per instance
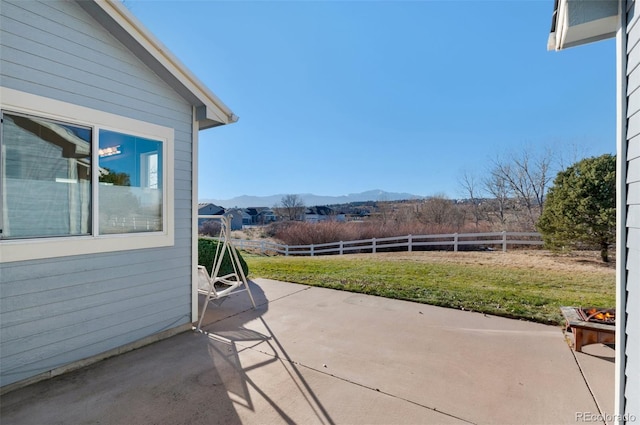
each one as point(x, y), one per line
point(183, 155)
point(633, 173)
point(633, 197)
point(103, 316)
point(632, 53)
point(633, 239)
point(111, 76)
point(633, 79)
point(633, 124)
point(633, 150)
point(632, 350)
point(633, 106)
point(16, 302)
point(57, 311)
point(80, 347)
point(633, 218)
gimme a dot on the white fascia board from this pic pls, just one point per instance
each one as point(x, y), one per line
point(558, 26)
point(591, 32)
point(566, 32)
point(213, 110)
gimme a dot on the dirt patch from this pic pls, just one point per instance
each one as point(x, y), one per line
point(581, 261)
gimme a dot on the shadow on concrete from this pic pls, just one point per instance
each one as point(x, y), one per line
point(187, 378)
point(230, 339)
point(610, 359)
point(177, 380)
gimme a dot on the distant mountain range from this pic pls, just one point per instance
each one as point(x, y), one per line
point(246, 201)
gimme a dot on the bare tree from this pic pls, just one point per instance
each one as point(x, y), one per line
point(571, 154)
point(210, 228)
point(440, 211)
point(472, 187)
point(498, 188)
point(528, 177)
point(385, 209)
point(292, 207)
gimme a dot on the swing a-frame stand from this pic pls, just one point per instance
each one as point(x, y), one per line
point(215, 287)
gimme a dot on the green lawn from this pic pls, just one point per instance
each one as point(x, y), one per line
point(524, 293)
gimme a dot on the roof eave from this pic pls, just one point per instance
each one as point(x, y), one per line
point(115, 17)
point(578, 22)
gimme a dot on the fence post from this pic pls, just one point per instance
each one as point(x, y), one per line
point(286, 250)
point(373, 245)
point(455, 242)
point(341, 247)
point(504, 241)
point(410, 243)
point(312, 250)
point(262, 249)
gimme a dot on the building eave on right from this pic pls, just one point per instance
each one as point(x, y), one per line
point(577, 22)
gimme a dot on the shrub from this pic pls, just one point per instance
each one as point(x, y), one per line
point(206, 252)
point(210, 228)
point(302, 233)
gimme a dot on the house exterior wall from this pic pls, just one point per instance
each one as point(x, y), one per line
point(632, 349)
point(209, 209)
point(237, 218)
point(57, 311)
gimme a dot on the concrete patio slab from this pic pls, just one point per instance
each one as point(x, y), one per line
point(310, 355)
point(481, 368)
point(277, 390)
point(597, 361)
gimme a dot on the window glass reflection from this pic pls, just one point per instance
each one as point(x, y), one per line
point(130, 190)
point(45, 178)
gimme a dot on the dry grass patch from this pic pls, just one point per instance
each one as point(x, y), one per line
point(580, 262)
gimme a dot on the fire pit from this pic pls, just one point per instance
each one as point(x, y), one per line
point(590, 325)
point(595, 315)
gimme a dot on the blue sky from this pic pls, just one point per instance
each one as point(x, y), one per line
point(339, 97)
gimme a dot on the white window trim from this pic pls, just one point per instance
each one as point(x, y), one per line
point(40, 248)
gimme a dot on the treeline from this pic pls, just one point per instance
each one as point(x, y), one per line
point(509, 196)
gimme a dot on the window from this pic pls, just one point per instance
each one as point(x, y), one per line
point(46, 177)
point(77, 182)
point(130, 189)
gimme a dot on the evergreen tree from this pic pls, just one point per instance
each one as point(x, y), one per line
point(580, 208)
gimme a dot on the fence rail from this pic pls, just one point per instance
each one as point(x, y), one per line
point(397, 243)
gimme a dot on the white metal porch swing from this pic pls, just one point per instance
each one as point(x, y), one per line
point(214, 286)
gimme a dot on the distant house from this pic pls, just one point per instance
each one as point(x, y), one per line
point(357, 211)
point(577, 22)
point(253, 214)
point(246, 218)
point(99, 128)
point(208, 209)
point(322, 213)
point(239, 218)
point(266, 216)
point(261, 215)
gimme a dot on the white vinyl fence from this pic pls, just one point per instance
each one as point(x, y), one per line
point(409, 243)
